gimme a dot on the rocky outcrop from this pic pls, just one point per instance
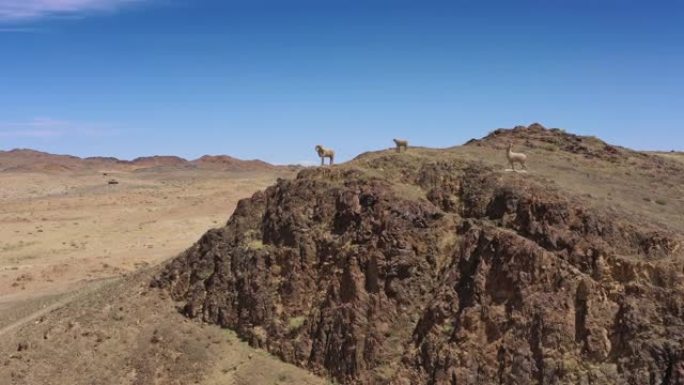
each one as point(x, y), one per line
point(225, 162)
point(410, 270)
point(555, 139)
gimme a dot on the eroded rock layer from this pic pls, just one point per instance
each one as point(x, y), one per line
point(415, 270)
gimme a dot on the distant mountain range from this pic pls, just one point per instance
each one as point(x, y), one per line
point(26, 160)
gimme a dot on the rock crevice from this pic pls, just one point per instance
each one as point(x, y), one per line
point(474, 277)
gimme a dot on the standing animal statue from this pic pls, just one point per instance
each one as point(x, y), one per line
point(401, 144)
point(325, 153)
point(516, 157)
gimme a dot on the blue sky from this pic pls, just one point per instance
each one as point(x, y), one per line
point(270, 79)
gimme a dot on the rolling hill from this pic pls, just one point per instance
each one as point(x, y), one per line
point(26, 160)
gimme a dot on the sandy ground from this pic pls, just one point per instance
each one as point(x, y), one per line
point(76, 259)
point(122, 332)
point(62, 232)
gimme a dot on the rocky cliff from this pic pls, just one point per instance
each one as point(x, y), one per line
point(428, 267)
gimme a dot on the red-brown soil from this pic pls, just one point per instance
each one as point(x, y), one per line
point(23, 160)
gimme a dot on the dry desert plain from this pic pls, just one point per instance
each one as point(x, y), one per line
point(71, 244)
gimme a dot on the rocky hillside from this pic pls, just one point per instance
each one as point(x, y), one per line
point(437, 267)
point(556, 139)
point(223, 162)
point(24, 160)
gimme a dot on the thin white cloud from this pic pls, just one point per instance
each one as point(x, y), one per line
point(25, 10)
point(18, 30)
point(47, 128)
point(35, 134)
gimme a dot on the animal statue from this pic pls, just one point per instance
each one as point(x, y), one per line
point(325, 153)
point(515, 157)
point(401, 144)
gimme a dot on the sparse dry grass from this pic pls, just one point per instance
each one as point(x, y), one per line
point(295, 323)
point(255, 244)
point(64, 227)
point(133, 335)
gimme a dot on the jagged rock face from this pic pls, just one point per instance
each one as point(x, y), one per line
point(555, 139)
point(440, 272)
